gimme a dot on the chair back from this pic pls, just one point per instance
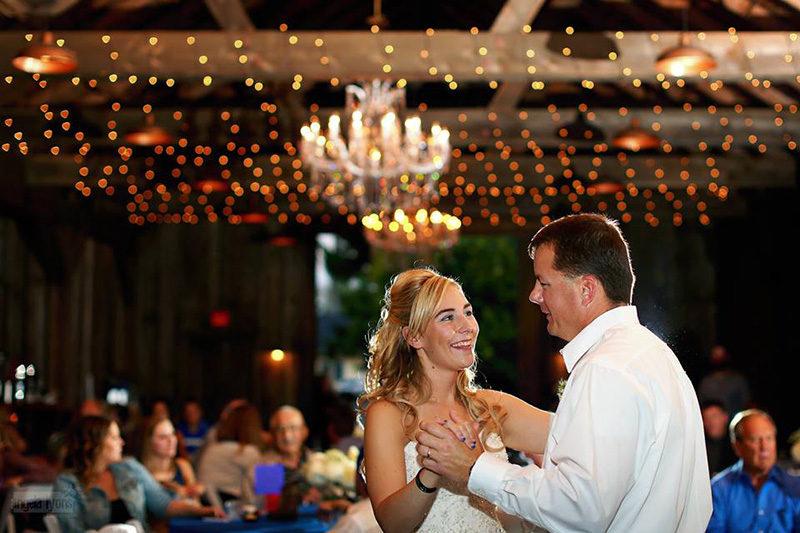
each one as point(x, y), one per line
point(24, 498)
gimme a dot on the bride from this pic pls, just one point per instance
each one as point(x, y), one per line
point(422, 367)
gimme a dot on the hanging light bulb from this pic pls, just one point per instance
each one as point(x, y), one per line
point(45, 58)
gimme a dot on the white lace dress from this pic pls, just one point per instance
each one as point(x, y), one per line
point(455, 509)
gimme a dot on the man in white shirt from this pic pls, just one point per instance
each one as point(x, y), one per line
point(625, 451)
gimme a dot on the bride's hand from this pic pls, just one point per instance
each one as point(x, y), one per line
point(467, 431)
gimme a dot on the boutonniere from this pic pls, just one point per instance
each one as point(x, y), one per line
point(560, 386)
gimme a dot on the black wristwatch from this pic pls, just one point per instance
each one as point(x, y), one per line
point(421, 486)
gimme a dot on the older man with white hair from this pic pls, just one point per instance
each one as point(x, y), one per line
point(755, 494)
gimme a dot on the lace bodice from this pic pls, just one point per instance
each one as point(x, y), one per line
point(455, 509)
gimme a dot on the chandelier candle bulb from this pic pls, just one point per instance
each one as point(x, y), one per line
point(333, 126)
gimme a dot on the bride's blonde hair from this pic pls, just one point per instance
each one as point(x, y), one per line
point(394, 371)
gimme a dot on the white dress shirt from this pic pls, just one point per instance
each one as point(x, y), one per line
point(625, 450)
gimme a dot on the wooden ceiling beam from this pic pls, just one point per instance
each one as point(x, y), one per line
point(515, 14)
point(230, 15)
point(359, 55)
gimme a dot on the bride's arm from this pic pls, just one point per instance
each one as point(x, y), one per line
point(398, 506)
point(526, 427)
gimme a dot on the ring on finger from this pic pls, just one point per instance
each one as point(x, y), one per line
point(428, 455)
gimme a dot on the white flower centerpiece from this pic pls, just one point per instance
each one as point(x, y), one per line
point(333, 473)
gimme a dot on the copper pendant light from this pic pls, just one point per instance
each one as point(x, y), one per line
point(684, 60)
point(150, 134)
point(254, 217)
point(635, 138)
point(211, 185)
point(45, 58)
point(604, 186)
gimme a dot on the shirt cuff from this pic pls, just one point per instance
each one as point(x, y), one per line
point(486, 479)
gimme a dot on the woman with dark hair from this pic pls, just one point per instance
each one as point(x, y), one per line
point(228, 464)
point(101, 488)
point(159, 455)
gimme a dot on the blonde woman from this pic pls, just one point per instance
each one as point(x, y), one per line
point(421, 368)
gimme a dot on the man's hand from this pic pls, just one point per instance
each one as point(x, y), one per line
point(448, 447)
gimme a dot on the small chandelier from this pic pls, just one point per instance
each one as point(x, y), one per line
point(398, 232)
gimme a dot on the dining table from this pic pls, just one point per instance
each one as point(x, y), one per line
point(306, 521)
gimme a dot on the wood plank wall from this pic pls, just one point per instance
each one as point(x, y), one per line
point(138, 313)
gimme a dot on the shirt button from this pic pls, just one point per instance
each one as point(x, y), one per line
point(761, 512)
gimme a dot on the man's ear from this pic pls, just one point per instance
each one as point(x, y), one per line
point(736, 449)
point(412, 341)
point(589, 287)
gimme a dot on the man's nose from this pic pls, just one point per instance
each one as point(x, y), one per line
point(536, 294)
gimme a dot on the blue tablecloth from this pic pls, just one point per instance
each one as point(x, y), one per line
point(306, 522)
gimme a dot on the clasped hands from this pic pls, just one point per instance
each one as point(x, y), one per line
point(449, 447)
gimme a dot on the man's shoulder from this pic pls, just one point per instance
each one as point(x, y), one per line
point(790, 483)
point(728, 477)
point(624, 345)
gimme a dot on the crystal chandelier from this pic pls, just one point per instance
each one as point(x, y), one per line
point(386, 170)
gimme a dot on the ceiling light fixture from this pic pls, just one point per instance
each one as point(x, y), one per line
point(635, 138)
point(150, 134)
point(45, 58)
point(684, 60)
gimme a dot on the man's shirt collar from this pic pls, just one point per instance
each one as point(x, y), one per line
point(583, 341)
point(776, 474)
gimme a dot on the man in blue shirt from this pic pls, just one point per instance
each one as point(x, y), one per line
point(755, 495)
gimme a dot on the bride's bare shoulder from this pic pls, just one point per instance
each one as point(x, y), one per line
point(384, 422)
point(383, 412)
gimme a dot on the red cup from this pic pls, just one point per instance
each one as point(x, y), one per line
point(272, 502)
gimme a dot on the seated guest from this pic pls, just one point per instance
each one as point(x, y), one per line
point(718, 444)
point(159, 455)
point(228, 463)
point(211, 434)
point(755, 494)
point(101, 488)
point(15, 468)
point(289, 433)
point(159, 410)
point(194, 429)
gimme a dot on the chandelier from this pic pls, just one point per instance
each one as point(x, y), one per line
point(386, 170)
point(398, 232)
